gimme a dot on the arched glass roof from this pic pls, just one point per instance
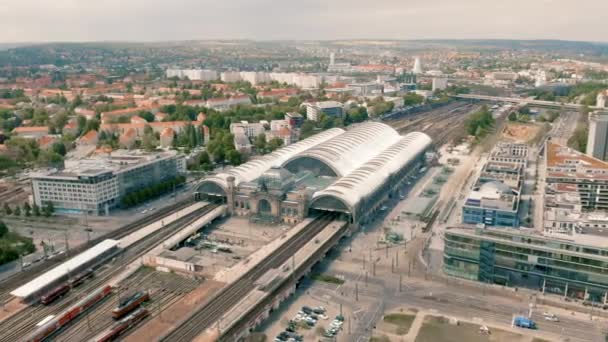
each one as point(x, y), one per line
point(346, 152)
point(254, 168)
point(371, 175)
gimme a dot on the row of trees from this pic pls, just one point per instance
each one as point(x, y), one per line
point(145, 194)
point(28, 210)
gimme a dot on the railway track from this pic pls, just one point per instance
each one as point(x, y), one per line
point(20, 278)
point(164, 289)
point(23, 322)
point(443, 126)
point(230, 295)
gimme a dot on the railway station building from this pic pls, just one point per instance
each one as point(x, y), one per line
point(351, 172)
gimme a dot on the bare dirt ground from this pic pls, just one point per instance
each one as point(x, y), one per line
point(520, 133)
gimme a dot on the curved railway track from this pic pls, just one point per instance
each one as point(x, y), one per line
point(24, 322)
point(230, 295)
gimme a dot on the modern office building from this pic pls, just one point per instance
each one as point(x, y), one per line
point(495, 196)
point(96, 185)
point(577, 269)
point(597, 140)
point(329, 108)
point(492, 204)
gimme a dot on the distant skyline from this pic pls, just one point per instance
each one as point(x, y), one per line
point(163, 20)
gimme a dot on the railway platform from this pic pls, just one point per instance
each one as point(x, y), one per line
point(264, 294)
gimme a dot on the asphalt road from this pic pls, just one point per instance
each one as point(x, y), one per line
point(448, 299)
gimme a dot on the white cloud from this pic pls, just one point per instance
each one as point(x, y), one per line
point(84, 20)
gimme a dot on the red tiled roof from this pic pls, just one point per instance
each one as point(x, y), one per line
point(29, 129)
point(167, 132)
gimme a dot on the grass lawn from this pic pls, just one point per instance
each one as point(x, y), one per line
point(401, 321)
point(380, 339)
point(327, 278)
point(438, 329)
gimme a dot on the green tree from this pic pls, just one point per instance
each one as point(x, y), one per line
point(234, 157)
point(17, 211)
point(275, 143)
point(48, 210)
point(3, 229)
point(123, 119)
point(91, 125)
point(59, 148)
point(82, 122)
point(7, 209)
point(307, 129)
point(512, 116)
point(146, 115)
point(260, 143)
point(27, 209)
point(36, 210)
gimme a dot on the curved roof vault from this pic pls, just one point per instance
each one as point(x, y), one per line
point(371, 175)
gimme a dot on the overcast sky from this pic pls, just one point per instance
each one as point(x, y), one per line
point(155, 20)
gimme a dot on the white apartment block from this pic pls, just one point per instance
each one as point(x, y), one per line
point(193, 74)
point(251, 130)
point(230, 76)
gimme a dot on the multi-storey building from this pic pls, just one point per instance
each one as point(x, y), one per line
point(329, 108)
point(584, 175)
point(494, 199)
point(193, 74)
point(597, 140)
point(96, 185)
point(568, 267)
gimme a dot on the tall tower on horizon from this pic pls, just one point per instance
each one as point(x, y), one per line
point(417, 69)
point(332, 58)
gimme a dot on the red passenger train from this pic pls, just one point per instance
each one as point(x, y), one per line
point(130, 303)
point(124, 324)
point(55, 293)
point(64, 318)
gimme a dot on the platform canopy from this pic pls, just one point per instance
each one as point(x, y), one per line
point(72, 265)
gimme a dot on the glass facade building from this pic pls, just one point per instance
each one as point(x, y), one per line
point(517, 259)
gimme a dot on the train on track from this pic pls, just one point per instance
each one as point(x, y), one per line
point(123, 325)
point(64, 318)
point(81, 277)
point(64, 288)
point(54, 294)
point(130, 303)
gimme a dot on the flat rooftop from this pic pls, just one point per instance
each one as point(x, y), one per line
point(561, 156)
point(543, 240)
point(116, 161)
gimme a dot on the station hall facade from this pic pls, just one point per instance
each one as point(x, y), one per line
point(351, 172)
